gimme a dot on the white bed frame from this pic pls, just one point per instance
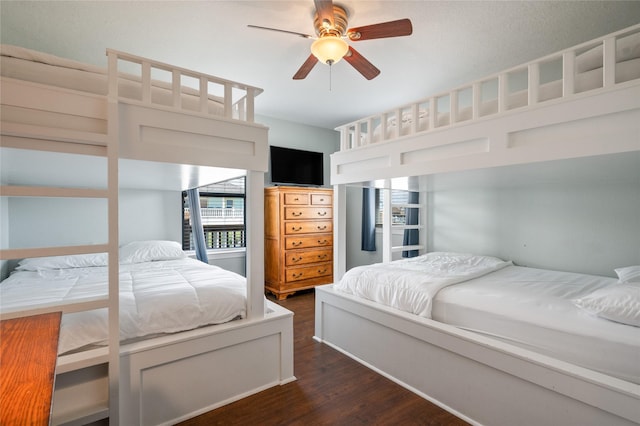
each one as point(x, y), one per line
point(477, 378)
point(174, 377)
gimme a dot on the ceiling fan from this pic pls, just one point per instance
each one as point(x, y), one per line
point(331, 31)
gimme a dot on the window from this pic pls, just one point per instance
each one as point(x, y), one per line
point(222, 211)
point(399, 198)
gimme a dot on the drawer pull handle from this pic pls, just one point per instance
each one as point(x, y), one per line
point(296, 199)
point(322, 213)
point(299, 228)
point(322, 228)
point(296, 243)
point(296, 214)
point(296, 259)
point(321, 199)
point(297, 275)
point(323, 242)
point(322, 256)
point(322, 271)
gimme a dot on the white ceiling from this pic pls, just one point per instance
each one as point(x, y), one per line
point(453, 42)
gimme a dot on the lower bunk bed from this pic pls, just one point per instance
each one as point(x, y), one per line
point(187, 345)
point(492, 342)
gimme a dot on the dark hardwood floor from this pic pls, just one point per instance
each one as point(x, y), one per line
point(331, 389)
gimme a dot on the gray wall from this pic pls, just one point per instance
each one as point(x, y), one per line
point(42, 222)
point(575, 215)
point(591, 229)
point(162, 218)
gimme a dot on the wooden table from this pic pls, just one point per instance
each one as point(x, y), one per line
point(28, 353)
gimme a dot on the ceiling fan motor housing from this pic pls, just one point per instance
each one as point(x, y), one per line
point(339, 27)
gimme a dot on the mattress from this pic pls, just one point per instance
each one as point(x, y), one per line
point(160, 296)
point(545, 311)
point(38, 67)
point(535, 309)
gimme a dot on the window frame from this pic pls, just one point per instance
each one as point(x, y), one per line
point(226, 196)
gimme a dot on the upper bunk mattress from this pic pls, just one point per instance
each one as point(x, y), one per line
point(38, 67)
point(535, 309)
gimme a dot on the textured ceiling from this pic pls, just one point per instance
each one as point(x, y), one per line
point(453, 42)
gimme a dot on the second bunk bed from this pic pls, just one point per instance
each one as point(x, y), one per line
point(447, 331)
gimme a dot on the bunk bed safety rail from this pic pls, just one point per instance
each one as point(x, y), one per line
point(597, 65)
point(231, 99)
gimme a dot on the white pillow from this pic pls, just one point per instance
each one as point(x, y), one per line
point(619, 303)
point(629, 274)
point(63, 262)
point(149, 251)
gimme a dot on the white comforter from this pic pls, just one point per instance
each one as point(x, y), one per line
point(411, 284)
point(155, 297)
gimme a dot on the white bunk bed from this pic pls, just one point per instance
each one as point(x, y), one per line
point(492, 122)
point(145, 116)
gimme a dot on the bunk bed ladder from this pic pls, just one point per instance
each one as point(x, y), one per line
point(389, 228)
point(88, 359)
point(114, 270)
point(96, 403)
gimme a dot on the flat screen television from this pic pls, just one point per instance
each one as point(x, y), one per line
point(296, 167)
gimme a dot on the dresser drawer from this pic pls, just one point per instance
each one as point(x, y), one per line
point(308, 242)
point(307, 272)
point(296, 198)
point(316, 226)
point(321, 199)
point(293, 258)
point(308, 213)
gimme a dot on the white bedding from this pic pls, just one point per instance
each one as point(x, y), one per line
point(535, 309)
point(155, 297)
point(410, 284)
point(539, 310)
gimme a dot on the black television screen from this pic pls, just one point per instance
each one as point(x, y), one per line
point(296, 167)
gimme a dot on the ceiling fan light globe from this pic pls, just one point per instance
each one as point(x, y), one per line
point(329, 49)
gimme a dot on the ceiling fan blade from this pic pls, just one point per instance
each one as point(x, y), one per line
point(280, 31)
point(364, 67)
point(306, 68)
point(324, 9)
point(401, 27)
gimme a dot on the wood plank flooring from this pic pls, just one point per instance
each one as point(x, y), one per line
point(331, 389)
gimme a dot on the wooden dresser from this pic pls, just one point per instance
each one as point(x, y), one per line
point(298, 238)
